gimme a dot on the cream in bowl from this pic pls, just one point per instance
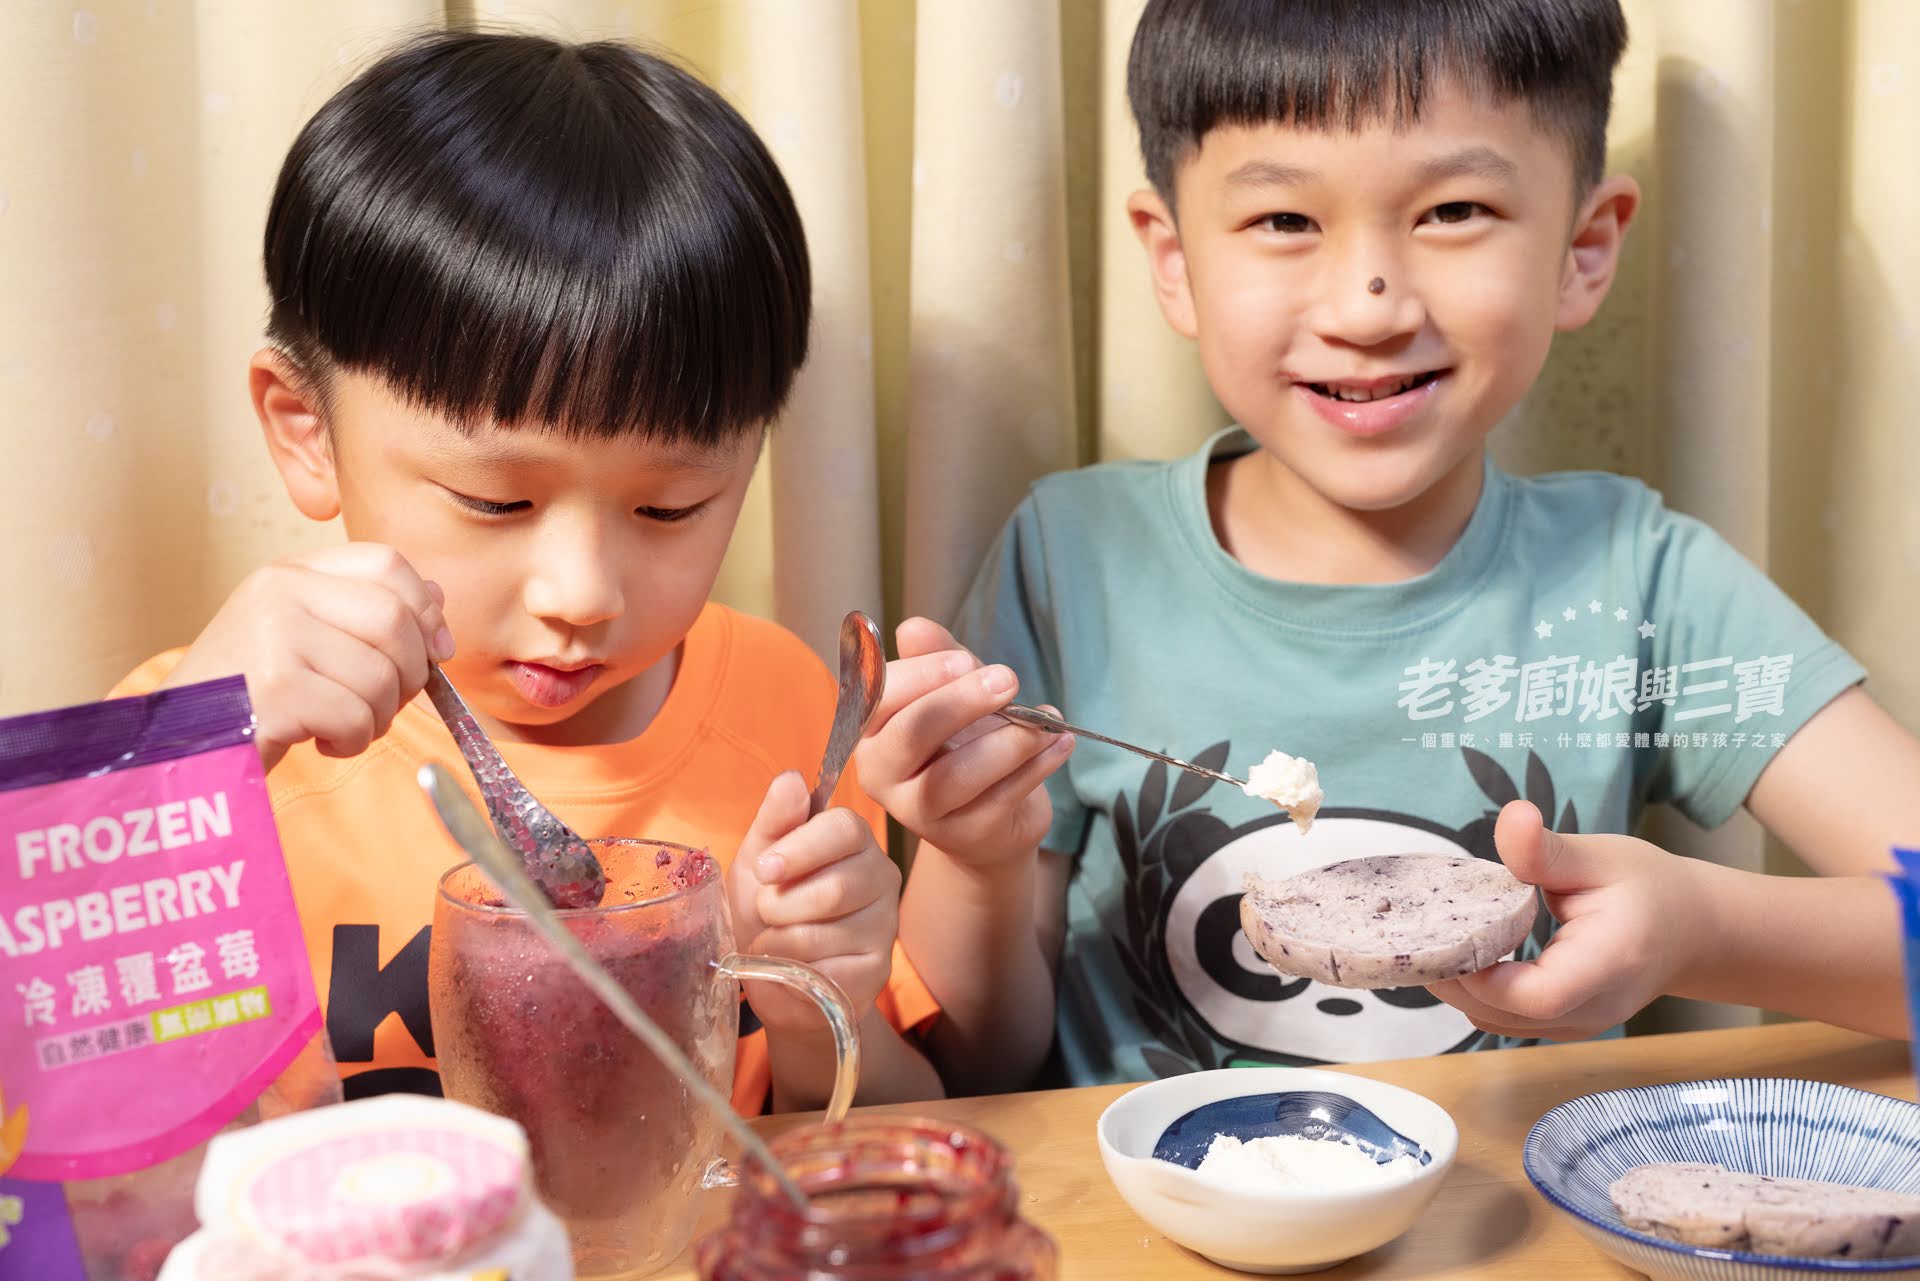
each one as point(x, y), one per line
point(1216, 1199)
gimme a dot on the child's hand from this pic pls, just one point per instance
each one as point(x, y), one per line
point(333, 644)
point(941, 762)
point(819, 891)
point(1631, 919)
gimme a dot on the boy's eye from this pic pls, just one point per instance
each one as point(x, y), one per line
point(1289, 224)
point(667, 515)
point(1455, 211)
point(487, 507)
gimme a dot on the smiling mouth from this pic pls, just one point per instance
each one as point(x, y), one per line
point(1362, 393)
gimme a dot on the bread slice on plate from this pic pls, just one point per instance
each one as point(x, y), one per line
point(1709, 1205)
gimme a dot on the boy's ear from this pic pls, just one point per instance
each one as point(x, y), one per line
point(1159, 235)
point(1594, 255)
point(296, 430)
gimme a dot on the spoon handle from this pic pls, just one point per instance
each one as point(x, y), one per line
point(562, 864)
point(1034, 718)
point(863, 676)
point(498, 785)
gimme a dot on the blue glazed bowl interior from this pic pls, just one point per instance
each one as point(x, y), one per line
point(1778, 1127)
point(1304, 1114)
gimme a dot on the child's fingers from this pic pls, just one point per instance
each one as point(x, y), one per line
point(1573, 970)
point(372, 614)
point(921, 731)
point(378, 564)
point(1013, 814)
point(1538, 855)
point(1488, 1018)
point(835, 891)
point(988, 724)
point(313, 706)
point(864, 934)
point(917, 636)
point(962, 777)
point(1501, 1029)
point(929, 658)
point(1015, 787)
point(812, 844)
point(365, 672)
point(783, 809)
point(1573, 1028)
point(912, 679)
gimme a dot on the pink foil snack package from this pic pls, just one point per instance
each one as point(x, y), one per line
point(154, 985)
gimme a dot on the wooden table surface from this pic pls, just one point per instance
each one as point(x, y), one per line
point(1487, 1221)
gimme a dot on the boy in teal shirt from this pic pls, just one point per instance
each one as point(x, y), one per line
point(1372, 219)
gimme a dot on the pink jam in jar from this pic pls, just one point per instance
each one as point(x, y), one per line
point(903, 1199)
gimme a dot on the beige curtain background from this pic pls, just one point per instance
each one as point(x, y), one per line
point(983, 312)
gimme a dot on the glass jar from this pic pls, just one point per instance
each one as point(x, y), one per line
point(890, 1199)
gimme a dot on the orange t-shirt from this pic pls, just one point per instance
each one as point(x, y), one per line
point(365, 851)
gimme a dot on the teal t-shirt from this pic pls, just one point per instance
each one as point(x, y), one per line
point(1581, 647)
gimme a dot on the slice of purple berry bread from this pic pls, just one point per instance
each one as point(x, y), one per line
point(1711, 1206)
point(1391, 920)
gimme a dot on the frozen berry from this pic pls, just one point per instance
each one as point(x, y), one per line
point(144, 1260)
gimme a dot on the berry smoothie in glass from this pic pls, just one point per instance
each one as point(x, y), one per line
point(619, 1145)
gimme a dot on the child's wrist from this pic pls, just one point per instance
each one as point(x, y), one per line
point(994, 882)
point(991, 864)
point(802, 1059)
point(991, 905)
point(1719, 896)
point(814, 1034)
point(811, 1033)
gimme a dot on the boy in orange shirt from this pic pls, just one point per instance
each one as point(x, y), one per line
point(533, 307)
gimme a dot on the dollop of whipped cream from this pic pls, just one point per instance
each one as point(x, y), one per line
point(1290, 1161)
point(1292, 783)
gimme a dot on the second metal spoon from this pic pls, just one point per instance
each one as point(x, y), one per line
point(1034, 718)
point(863, 679)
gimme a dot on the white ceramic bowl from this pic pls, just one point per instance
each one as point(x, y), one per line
point(1270, 1230)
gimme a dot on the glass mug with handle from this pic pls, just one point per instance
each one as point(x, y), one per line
point(619, 1145)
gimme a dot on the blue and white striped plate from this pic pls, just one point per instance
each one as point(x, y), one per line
point(1784, 1128)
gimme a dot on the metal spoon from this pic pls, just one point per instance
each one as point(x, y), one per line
point(1309, 1114)
point(1037, 719)
point(499, 863)
point(561, 864)
point(863, 678)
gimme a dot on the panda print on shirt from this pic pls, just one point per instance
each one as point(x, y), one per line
point(1199, 987)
